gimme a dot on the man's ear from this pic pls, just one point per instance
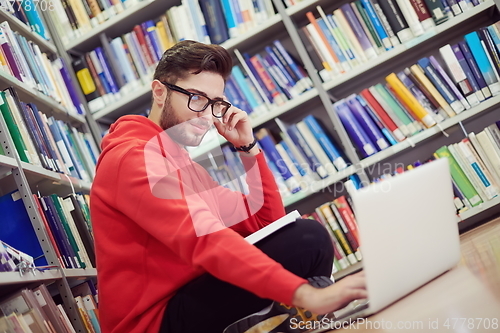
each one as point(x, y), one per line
point(159, 93)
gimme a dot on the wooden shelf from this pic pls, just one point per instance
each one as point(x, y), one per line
point(17, 25)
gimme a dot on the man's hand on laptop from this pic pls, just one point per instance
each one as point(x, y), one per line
point(333, 297)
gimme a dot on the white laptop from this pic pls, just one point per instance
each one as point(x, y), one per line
point(408, 234)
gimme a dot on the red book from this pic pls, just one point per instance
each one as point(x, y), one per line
point(384, 117)
point(49, 231)
point(143, 45)
point(336, 252)
point(268, 81)
point(347, 215)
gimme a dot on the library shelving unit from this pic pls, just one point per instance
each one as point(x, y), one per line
point(286, 23)
point(28, 179)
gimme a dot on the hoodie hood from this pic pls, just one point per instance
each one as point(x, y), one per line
point(132, 130)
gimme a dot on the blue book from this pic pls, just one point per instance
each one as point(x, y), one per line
point(276, 62)
point(304, 148)
point(354, 129)
point(292, 157)
point(330, 149)
point(293, 65)
point(376, 119)
point(229, 14)
point(379, 28)
point(236, 10)
point(440, 85)
point(369, 127)
point(35, 21)
point(242, 83)
point(237, 97)
point(268, 145)
point(214, 17)
point(279, 79)
point(17, 230)
point(300, 85)
point(331, 40)
point(257, 77)
point(106, 70)
point(467, 70)
point(477, 50)
point(150, 28)
point(474, 68)
point(127, 73)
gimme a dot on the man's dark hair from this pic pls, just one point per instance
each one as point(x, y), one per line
point(190, 57)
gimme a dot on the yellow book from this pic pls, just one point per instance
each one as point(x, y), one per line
point(419, 74)
point(162, 33)
point(410, 100)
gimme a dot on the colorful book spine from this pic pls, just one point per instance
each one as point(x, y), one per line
point(477, 50)
point(475, 69)
point(358, 31)
point(354, 129)
point(370, 10)
point(366, 123)
point(325, 142)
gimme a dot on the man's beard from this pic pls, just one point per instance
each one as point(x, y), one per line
point(178, 130)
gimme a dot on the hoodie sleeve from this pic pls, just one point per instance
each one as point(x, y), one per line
point(170, 211)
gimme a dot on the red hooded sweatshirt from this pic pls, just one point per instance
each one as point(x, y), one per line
point(160, 221)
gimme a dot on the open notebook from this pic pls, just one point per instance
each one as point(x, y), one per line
point(270, 228)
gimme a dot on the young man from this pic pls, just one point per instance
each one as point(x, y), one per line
point(171, 256)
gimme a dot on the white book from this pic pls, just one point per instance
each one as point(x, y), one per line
point(349, 34)
point(411, 17)
point(273, 227)
point(490, 149)
point(325, 54)
point(458, 74)
point(492, 167)
point(290, 165)
point(316, 148)
point(467, 169)
point(483, 176)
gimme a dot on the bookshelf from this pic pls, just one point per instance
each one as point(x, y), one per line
point(24, 30)
point(28, 179)
point(286, 21)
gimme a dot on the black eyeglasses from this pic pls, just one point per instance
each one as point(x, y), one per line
point(199, 102)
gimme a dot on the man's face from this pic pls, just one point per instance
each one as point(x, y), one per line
point(183, 125)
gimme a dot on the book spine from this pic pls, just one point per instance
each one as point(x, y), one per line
point(424, 16)
point(396, 20)
point(366, 122)
point(370, 10)
point(367, 25)
point(449, 83)
point(437, 10)
point(411, 17)
point(214, 18)
point(458, 74)
point(327, 145)
point(359, 33)
point(377, 120)
point(268, 145)
point(479, 54)
point(301, 143)
point(403, 92)
point(354, 129)
point(475, 69)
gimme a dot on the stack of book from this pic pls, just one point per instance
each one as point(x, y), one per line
point(338, 219)
point(28, 12)
point(34, 310)
point(360, 31)
point(47, 142)
point(475, 167)
point(66, 221)
point(424, 94)
point(208, 21)
point(23, 60)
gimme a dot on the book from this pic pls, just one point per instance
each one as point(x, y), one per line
point(273, 227)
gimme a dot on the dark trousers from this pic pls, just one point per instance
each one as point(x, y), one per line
point(209, 305)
